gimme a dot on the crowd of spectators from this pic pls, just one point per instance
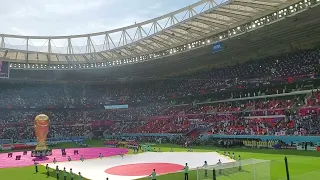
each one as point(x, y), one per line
point(233, 118)
point(282, 68)
point(77, 109)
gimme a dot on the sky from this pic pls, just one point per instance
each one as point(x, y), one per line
point(70, 17)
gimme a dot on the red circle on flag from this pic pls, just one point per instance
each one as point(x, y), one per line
point(143, 169)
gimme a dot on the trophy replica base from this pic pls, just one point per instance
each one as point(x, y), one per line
point(41, 148)
point(41, 153)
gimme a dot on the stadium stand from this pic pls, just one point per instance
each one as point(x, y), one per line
point(264, 96)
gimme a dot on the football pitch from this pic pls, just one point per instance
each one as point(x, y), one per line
point(303, 165)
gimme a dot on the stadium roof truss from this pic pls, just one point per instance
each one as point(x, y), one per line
point(201, 20)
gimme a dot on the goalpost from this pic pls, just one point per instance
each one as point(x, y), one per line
point(248, 169)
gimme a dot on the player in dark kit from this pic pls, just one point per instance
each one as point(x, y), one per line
point(48, 170)
point(35, 166)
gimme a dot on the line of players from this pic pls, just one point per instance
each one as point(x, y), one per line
point(135, 151)
point(153, 175)
point(71, 173)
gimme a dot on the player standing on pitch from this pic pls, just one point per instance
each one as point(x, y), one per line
point(154, 175)
point(57, 172)
point(71, 174)
point(36, 166)
point(239, 161)
point(100, 156)
point(186, 172)
point(205, 170)
point(219, 164)
point(121, 154)
point(79, 175)
point(48, 170)
point(64, 174)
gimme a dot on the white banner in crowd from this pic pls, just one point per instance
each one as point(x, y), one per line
point(309, 148)
point(6, 147)
point(281, 133)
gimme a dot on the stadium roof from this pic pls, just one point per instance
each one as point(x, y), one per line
point(198, 21)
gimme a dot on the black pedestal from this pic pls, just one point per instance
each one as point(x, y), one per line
point(41, 153)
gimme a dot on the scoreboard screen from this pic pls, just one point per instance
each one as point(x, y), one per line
point(4, 69)
point(125, 106)
point(217, 47)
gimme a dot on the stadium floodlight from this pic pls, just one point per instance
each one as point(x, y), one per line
point(249, 169)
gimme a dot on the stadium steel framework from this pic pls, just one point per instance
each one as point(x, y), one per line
point(200, 24)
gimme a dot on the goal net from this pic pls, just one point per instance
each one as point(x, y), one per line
point(249, 169)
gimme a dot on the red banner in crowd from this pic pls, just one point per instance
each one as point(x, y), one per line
point(290, 79)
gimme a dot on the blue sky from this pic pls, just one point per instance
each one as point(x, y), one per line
point(66, 17)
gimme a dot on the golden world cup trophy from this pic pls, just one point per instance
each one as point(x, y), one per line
point(41, 129)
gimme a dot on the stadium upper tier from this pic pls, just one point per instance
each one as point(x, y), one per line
point(200, 24)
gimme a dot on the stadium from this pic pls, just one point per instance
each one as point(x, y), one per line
point(216, 90)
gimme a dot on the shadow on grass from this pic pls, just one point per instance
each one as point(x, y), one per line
point(249, 150)
point(309, 175)
point(230, 172)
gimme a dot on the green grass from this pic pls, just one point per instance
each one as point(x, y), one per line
point(303, 165)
